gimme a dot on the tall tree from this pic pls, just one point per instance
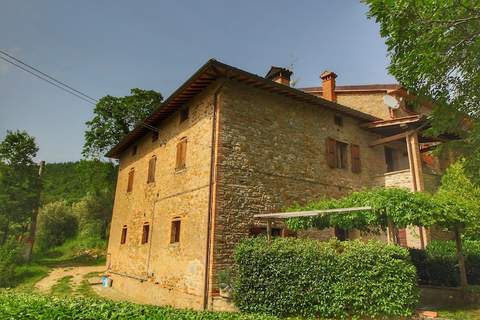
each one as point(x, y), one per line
point(114, 117)
point(20, 184)
point(433, 47)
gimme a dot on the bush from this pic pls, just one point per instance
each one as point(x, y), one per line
point(14, 305)
point(438, 264)
point(9, 255)
point(56, 223)
point(296, 277)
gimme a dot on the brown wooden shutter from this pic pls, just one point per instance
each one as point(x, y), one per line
point(151, 169)
point(355, 153)
point(181, 154)
point(130, 180)
point(330, 152)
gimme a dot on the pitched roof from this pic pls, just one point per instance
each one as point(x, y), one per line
point(359, 87)
point(207, 74)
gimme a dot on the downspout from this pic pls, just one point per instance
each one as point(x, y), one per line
point(212, 195)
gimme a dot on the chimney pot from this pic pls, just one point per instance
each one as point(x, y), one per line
point(328, 85)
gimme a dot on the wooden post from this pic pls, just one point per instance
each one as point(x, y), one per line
point(461, 260)
point(269, 230)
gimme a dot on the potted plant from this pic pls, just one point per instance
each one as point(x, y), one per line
point(225, 283)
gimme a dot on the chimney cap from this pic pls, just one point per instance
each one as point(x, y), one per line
point(326, 75)
point(278, 72)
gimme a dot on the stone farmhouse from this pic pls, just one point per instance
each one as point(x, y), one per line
point(229, 144)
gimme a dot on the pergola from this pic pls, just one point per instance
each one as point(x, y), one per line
point(269, 217)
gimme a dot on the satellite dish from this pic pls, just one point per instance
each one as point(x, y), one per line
point(391, 101)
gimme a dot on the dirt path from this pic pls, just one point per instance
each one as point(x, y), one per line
point(78, 273)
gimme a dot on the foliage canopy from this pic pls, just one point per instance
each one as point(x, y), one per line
point(114, 117)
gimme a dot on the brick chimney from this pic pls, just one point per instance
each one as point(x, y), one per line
point(328, 85)
point(280, 75)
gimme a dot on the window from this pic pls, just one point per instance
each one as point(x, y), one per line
point(134, 150)
point(151, 169)
point(341, 155)
point(390, 159)
point(145, 233)
point(184, 114)
point(355, 158)
point(336, 153)
point(131, 175)
point(123, 237)
point(175, 232)
point(154, 136)
point(338, 120)
point(181, 154)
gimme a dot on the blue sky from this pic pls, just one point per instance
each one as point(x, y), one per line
point(108, 47)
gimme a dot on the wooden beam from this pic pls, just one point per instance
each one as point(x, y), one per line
point(286, 215)
point(395, 137)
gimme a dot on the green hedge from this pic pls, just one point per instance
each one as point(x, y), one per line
point(296, 277)
point(29, 306)
point(438, 264)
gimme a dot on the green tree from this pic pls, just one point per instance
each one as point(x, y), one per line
point(433, 47)
point(458, 200)
point(56, 223)
point(114, 117)
point(20, 184)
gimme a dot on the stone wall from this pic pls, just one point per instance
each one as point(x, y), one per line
point(159, 272)
point(272, 154)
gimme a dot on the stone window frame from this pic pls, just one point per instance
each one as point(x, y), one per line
point(152, 168)
point(175, 230)
point(181, 154)
point(123, 235)
point(131, 177)
point(145, 233)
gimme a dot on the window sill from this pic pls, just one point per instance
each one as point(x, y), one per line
point(180, 170)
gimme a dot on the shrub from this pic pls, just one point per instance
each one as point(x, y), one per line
point(14, 305)
point(9, 255)
point(56, 223)
point(438, 264)
point(297, 277)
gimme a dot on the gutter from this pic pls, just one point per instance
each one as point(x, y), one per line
point(212, 193)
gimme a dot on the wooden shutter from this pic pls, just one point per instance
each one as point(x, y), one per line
point(151, 169)
point(175, 232)
point(130, 180)
point(355, 154)
point(145, 234)
point(181, 154)
point(330, 152)
point(123, 238)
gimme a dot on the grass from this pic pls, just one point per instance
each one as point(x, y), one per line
point(27, 275)
point(471, 313)
point(85, 288)
point(63, 287)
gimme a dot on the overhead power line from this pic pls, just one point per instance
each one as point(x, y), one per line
point(51, 82)
point(57, 83)
point(50, 79)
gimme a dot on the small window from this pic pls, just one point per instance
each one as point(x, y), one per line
point(123, 237)
point(184, 114)
point(338, 120)
point(175, 233)
point(131, 175)
point(145, 233)
point(152, 163)
point(154, 136)
point(134, 150)
point(181, 154)
point(341, 155)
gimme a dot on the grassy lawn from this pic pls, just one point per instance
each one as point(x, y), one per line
point(63, 287)
point(85, 289)
point(461, 314)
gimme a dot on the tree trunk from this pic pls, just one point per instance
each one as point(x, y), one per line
point(33, 224)
point(461, 260)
